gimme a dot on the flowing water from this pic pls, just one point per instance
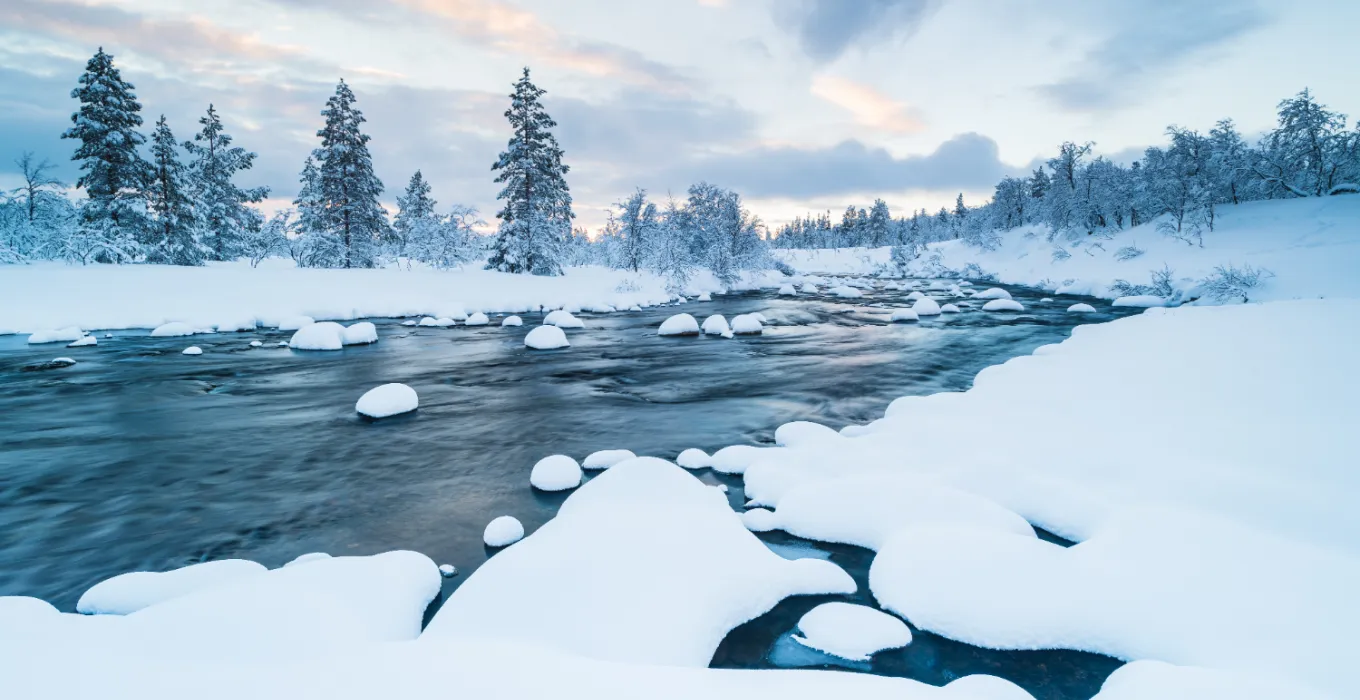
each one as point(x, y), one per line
point(140, 458)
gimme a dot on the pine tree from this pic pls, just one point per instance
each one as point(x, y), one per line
point(173, 234)
point(878, 227)
point(344, 206)
point(415, 214)
point(223, 213)
point(114, 175)
point(536, 218)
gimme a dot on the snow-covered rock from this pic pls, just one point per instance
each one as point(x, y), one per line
point(803, 433)
point(173, 329)
point(715, 325)
point(127, 593)
point(1146, 301)
point(925, 306)
point(809, 288)
point(949, 309)
point(555, 473)
point(1003, 305)
point(428, 322)
point(694, 458)
point(563, 319)
point(410, 322)
point(503, 532)
point(915, 296)
point(993, 293)
point(747, 324)
point(605, 459)
point(361, 333)
point(477, 319)
point(788, 290)
point(704, 297)
point(546, 338)
point(448, 570)
point(325, 335)
point(256, 344)
point(57, 335)
point(846, 292)
point(512, 321)
point(903, 316)
point(237, 325)
point(292, 323)
point(679, 324)
point(192, 350)
point(83, 342)
point(851, 631)
point(1081, 308)
point(387, 400)
point(644, 564)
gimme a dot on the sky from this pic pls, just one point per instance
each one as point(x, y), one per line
point(799, 105)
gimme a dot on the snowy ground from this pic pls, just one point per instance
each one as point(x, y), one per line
point(1311, 245)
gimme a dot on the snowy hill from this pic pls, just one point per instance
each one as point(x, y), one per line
point(1311, 246)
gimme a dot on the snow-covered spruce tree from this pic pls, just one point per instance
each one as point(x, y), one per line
point(339, 212)
point(114, 175)
point(536, 218)
point(172, 236)
point(878, 225)
point(415, 215)
point(223, 215)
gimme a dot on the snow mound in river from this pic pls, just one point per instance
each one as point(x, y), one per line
point(127, 593)
point(387, 400)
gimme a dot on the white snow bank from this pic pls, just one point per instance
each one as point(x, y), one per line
point(546, 338)
point(604, 459)
point(512, 321)
point(694, 458)
point(57, 335)
point(851, 631)
point(192, 350)
point(1003, 305)
point(83, 342)
point(387, 400)
point(127, 593)
point(1140, 302)
point(1081, 308)
point(304, 558)
point(1140, 680)
point(903, 316)
point(361, 333)
point(503, 531)
point(294, 322)
point(925, 306)
point(563, 319)
point(477, 319)
point(555, 473)
point(325, 335)
point(736, 458)
point(173, 329)
point(237, 325)
point(643, 564)
point(679, 324)
point(747, 324)
point(714, 325)
point(803, 433)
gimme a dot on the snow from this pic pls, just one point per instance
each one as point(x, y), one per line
point(173, 329)
point(714, 325)
point(324, 335)
point(846, 292)
point(555, 473)
point(704, 297)
point(546, 338)
point(643, 564)
point(237, 325)
point(411, 322)
point(851, 631)
point(387, 400)
point(87, 340)
point(127, 593)
point(903, 316)
point(361, 333)
point(949, 309)
point(605, 459)
point(788, 290)
point(747, 324)
point(1144, 301)
point(810, 288)
point(563, 319)
point(993, 293)
point(503, 532)
point(256, 344)
point(448, 570)
point(1003, 305)
point(192, 350)
point(512, 321)
point(679, 324)
point(288, 323)
point(1081, 308)
point(694, 458)
point(304, 558)
point(926, 306)
point(477, 319)
point(915, 296)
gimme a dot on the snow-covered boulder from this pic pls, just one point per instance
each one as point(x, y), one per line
point(715, 325)
point(56, 335)
point(546, 338)
point(448, 570)
point(387, 400)
point(948, 309)
point(802, 433)
point(904, 316)
point(477, 319)
point(679, 324)
point(237, 325)
point(694, 458)
point(925, 306)
point(292, 323)
point(256, 344)
point(1145, 301)
point(1003, 305)
point(410, 322)
point(83, 342)
point(428, 322)
point(503, 532)
point(851, 631)
point(192, 350)
point(747, 324)
point(326, 335)
point(788, 290)
point(127, 593)
point(605, 459)
point(810, 288)
point(361, 333)
point(1081, 308)
point(846, 292)
point(555, 473)
point(993, 293)
point(704, 297)
point(174, 329)
point(512, 321)
point(562, 319)
point(914, 296)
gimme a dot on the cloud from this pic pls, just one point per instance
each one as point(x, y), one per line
point(827, 28)
point(870, 107)
point(964, 162)
point(1145, 39)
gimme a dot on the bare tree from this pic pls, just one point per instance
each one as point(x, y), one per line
point(37, 182)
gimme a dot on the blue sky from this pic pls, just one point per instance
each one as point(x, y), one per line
point(798, 104)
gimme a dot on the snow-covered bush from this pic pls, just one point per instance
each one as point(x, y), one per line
point(1060, 254)
point(1128, 252)
point(1229, 282)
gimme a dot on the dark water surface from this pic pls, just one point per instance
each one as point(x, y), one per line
point(140, 458)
